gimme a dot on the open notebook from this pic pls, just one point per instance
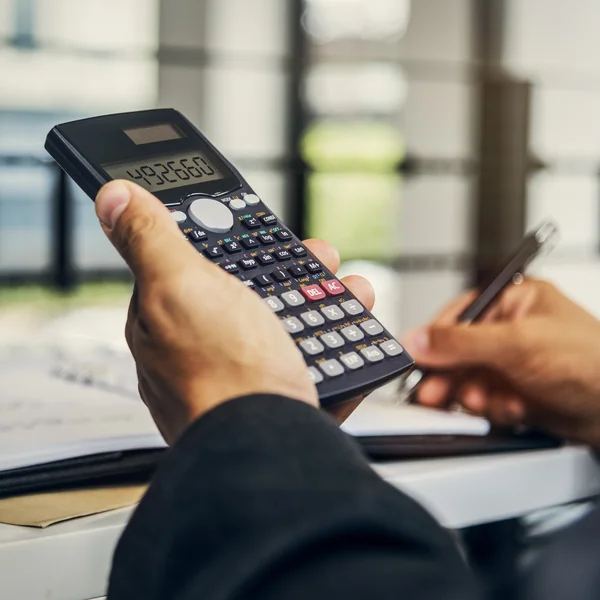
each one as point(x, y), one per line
point(45, 418)
point(50, 414)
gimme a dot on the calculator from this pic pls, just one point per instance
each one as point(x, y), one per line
point(348, 352)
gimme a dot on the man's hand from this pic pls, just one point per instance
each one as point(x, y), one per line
point(198, 335)
point(534, 359)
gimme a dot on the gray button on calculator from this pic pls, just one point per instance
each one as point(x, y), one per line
point(352, 361)
point(312, 346)
point(275, 304)
point(373, 354)
point(353, 308)
point(353, 334)
point(312, 318)
point(179, 216)
point(211, 215)
point(293, 298)
point(333, 313)
point(372, 327)
point(315, 375)
point(392, 348)
point(332, 368)
point(293, 325)
point(332, 340)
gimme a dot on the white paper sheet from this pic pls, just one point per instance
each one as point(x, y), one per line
point(383, 415)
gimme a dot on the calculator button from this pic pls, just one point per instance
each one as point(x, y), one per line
point(211, 215)
point(293, 298)
point(251, 223)
point(313, 293)
point(312, 346)
point(333, 287)
point(237, 204)
point(312, 318)
point(266, 239)
point(230, 268)
point(197, 235)
point(263, 280)
point(314, 266)
point(297, 271)
point(233, 247)
point(266, 259)
point(332, 340)
point(283, 255)
point(275, 304)
point(392, 348)
point(280, 275)
point(250, 243)
point(248, 283)
point(214, 252)
point(248, 264)
point(352, 361)
point(372, 327)
point(333, 313)
point(315, 375)
point(353, 307)
point(284, 236)
point(252, 199)
point(180, 217)
point(293, 325)
point(373, 354)
point(269, 220)
point(332, 368)
point(299, 251)
point(353, 334)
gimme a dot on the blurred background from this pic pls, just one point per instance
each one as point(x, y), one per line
point(421, 137)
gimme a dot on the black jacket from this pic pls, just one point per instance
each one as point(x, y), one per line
point(264, 497)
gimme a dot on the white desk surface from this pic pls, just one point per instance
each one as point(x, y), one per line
point(71, 561)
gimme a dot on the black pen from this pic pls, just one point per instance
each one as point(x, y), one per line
point(513, 272)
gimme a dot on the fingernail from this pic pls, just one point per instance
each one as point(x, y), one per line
point(111, 202)
point(417, 341)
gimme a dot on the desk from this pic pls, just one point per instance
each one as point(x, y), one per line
point(71, 561)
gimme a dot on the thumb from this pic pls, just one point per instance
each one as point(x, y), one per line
point(494, 345)
point(140, 227)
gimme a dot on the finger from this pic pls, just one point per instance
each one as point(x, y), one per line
point(142, 230)
point(494, 345)
point(362, 289)
point(325, 252)
point(434, 390)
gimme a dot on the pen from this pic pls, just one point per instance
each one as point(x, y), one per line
point(542, 238)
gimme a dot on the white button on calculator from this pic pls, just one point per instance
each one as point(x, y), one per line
point(211, 215)
point(237, 204)
point(251, 199)
point(179, 216)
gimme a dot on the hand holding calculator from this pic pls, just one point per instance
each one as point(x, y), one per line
point(347, 351)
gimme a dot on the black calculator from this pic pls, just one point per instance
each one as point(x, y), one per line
point(348, 352)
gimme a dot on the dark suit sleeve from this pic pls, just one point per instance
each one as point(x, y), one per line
point(265, 498)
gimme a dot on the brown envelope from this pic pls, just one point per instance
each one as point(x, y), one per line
point(43, 510)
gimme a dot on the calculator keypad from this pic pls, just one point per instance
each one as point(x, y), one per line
point(334, 331)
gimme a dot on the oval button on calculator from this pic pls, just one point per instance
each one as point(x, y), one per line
point(347, 352)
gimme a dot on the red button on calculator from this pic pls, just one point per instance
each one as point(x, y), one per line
point(333, 287)
point(313, 293)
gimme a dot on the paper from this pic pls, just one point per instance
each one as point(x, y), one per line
point(383, 415)
point(43, 510)
point(45, 419)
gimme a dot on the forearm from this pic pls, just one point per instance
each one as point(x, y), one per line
point(265, 497)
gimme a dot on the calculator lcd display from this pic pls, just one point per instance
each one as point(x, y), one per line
point(167, 172)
